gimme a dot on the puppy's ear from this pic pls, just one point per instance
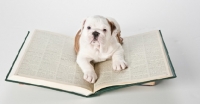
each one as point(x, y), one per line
point(77, 37)
point(82, 26)
point(112, 26)
point(76, 41)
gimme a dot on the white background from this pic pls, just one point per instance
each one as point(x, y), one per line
point(179, 21)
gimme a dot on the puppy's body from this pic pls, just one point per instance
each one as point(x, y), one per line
point(98, 42)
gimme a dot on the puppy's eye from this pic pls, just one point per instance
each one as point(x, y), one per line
point(104, 30)
point(88, 27)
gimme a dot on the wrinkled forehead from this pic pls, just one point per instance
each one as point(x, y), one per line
point(96, 22)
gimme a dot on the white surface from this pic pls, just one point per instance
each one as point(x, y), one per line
point(179, 21)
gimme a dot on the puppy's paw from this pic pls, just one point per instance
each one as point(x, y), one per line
point(119, 65)
point(90, 76)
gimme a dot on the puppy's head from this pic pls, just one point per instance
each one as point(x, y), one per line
point(97, 30)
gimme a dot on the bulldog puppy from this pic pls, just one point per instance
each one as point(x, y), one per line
point(98, 40)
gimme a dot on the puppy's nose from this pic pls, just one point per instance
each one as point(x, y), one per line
point(95, 34)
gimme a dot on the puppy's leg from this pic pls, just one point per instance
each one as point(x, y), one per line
point(118, 62)
point(87, 68)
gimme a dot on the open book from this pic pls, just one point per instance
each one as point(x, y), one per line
point(48, 59)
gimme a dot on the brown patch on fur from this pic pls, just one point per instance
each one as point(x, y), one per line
point(76, 41)
point(112, 26)
point(119, 38)
point(83, 25)
point(77, 37)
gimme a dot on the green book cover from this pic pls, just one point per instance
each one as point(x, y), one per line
point(98, 92)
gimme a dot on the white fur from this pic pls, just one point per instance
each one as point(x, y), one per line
point(104, 48)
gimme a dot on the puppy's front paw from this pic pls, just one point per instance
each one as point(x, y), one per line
point(119, 65)
point(90, 76)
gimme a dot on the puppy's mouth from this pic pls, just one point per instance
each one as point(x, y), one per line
point(94, 40)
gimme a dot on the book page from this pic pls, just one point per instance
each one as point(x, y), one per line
point(146, 60)
point(51, 57)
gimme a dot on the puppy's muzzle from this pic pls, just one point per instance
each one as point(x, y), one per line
point(95, 34)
